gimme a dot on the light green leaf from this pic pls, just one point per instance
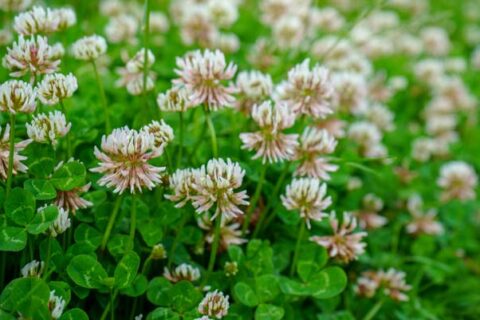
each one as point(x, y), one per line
point(42, 220)
point(41, 189)
point(12, 238)
point(74, 314)
point(328, 283)
point(20, 206)
point(269, 312)
point(70, 175)
point(245, 294)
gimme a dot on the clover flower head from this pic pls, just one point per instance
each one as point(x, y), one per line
point(48, 128)
point(458, 181)
point(17, 96)
point(203, 74)
point(214, 304)
point(33, 55)
point(36, 20)
point(182, 272)
point(56, 87)
point(307, 91)
point(308, 196)
point(32, 269)
point(175, 99)
point(18, 166)
point(124, 157)
point(56, 305)
point(270, 143)
point(344, 244)
point(89, 48)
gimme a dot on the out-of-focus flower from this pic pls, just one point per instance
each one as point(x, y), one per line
point(122, 28)
point(33, 55)
point(158, 252)
point(203, 74)
point(458, 181)
point(270, 143)
point(308, 196)
point(313, 144)
point(89, 48)
point(253, 87)
point(162, 133)
point(368, 137)
point(215, 304)
point(230, 233)
point(56, 87)
point(175, 99)
point(435, 41)
point(391, 281)
point(124, 160)
point(423, 222)
point(56, 305)
point(132, 76)
point(288, 32)
point(307, 91)
point(344, 244)
point(14, 5)
point(32, 269)
point(17, 96)
point(182, 272)
point(369, 217)
point(351, 92)
point(60, 225)
point(6, 36)
point(18, 166)
point(36, 20)
point(66, 18)
point(380, 116)
point(215, 184)
point(47, 128)
point(231, 268)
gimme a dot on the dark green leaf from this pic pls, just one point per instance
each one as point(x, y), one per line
point(269, 312)
point(126, 270)
point(86, 271)
point(12, 238)
point(41, 189)
point(20, 206)
point(70, 175)
point(245, 294)
point(42, 220)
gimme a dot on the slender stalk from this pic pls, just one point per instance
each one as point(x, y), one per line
point(214, 249)
point(254, 200)
point(146, 265)
point(111, 222)
point(133, 222)
point(109, 305)
point(180, 147)
point(297, 248)
point(213, 136)
point(3, 266)
point(47, 259)
point(273, 197)
point(175, 241)
point(69, 144)
point(169, 161)
point(371, 314)
point(10, 154)
point(112, 312)
point(103, 97)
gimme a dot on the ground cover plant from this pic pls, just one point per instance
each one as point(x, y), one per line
point(239, 159)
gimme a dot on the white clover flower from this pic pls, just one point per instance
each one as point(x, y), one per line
point(391, 281)
point(33, 55)
point(230, 232)
point(132, 75)
point(289, 32)
point(380, 116)
point(270, 143)
point(196, 26)
point(351, 92)
point(226, 42)
point(182, 272)
point(215, 304)
point(308, 196)
point(344, 244)
point(32, 269)
point(122, 28)
point(215, 184)
point(307, 91)
point(326, 19)
point(162, 133)
point(56, 305)
point(203, 74)
point(56, 87)
point(89, 48)
point(18, 166)
point(435, 41)
point(223, 13)
point(252, 87)
point(6, 36)
point(61, 224)
point(458, 181)
point(182, 184)
point(124, 160)
point(47, 128)
point(14, 5)
point(66, 18)
point(314, 143)
point(158, 22)
point(36, 20)
point(17, 96)
point(175, 99)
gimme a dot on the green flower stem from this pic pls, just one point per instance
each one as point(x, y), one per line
point(109, 306)
point(275, 192)
point(3, 266)
point(111, 222)
point(175, 241)
point(180, 147)
point(372, 313)
point(133, 222)
point(214, 249)
point(297, 248)
point(146, 265)
point(47, 259)
point(103, 97)
point(254, 200)
point(169, 161)
point(213, 136)
point(10, 154)
point(69, 144)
